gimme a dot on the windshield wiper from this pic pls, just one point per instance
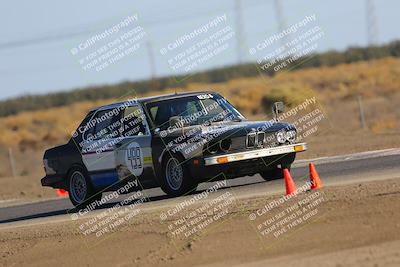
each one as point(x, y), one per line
point(234, 119)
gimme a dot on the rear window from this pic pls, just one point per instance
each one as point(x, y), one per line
point(133, 122)
point(100, 126)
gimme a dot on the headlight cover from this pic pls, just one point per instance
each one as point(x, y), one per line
point(291, 136)
point(281, 137)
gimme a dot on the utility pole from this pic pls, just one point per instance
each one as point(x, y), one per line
point(12, 162)
point(372, 25)
point(154, 84)
point(280, 19)
point(152, 63)
point(362, 115)
point(239, 30)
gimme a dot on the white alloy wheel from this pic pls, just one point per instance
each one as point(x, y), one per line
point(78, 187)
point(174, 174)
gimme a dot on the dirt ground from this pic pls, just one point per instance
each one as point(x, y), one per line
point(353, 225)
point(338, 133)
point(27, 188)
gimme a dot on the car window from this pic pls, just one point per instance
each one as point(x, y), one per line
point(212, 106)
point(191, 107)
point(161, 112)
point(153, 111)
point(82, 131)
point(104, 125)
point(133, 122)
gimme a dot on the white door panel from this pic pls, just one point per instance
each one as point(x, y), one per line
point(134, 158)
point(99, 161)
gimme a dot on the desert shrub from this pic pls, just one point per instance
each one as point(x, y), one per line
point(218, 75)
point(290, 95)
point(252, 96)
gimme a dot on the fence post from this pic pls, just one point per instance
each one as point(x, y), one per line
point(362, 115)
point(12, 162)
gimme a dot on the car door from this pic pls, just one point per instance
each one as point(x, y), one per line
point(98, 154)
point(133, 152)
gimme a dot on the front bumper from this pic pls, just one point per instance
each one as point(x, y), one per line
point(254, 154)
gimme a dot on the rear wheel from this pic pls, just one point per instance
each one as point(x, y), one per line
point(81, 192)
point(176, 180)
point(274, 174)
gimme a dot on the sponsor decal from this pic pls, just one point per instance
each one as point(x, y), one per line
point(205, 96)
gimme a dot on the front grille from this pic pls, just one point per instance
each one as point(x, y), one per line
point(260, 139)
point(251, 140)
point(270, 140)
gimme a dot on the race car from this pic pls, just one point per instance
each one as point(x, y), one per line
point(172, 141)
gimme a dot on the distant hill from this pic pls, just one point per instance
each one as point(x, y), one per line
point(41, 102)
point(378, 81)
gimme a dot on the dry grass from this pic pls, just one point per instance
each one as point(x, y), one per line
point(336, 89)
point(373, 80)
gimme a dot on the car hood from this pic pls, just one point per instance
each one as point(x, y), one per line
point(230, 128)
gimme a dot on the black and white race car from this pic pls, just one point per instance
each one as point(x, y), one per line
point(174, 142)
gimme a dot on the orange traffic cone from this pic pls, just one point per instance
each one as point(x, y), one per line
point(290, 186)
point(61, 193)
point(314, 177)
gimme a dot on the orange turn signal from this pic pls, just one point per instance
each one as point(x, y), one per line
point(196, 162)
point(222, 160)
point(298, 148)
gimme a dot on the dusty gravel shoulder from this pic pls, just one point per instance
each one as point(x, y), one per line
point(355, 225)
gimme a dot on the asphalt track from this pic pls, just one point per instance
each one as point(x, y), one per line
point(338, 170)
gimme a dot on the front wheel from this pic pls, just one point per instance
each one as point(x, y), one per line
point(80, 190)
point(176, 180)
point(274, 174)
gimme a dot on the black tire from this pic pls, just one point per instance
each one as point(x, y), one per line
point(273, 174)
point(179, 184)
point(82, 195)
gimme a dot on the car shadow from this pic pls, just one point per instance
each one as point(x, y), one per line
point(71, 211)
point(102, 207)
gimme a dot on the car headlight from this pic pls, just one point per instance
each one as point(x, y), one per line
point(225, 145)
point(281, 137)
point(291, 136)
point(212, 147)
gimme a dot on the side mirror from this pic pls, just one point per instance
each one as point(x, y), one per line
point(176, 122)
point(278, 108)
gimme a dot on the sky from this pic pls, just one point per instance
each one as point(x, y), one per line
point(38, 38)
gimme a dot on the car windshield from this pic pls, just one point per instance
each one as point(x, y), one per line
point(192, 110)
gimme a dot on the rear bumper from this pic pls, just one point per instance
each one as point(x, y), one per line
point(255, 154)
point(54, 181)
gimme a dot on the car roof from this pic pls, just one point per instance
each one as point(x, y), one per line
point(146, 100)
